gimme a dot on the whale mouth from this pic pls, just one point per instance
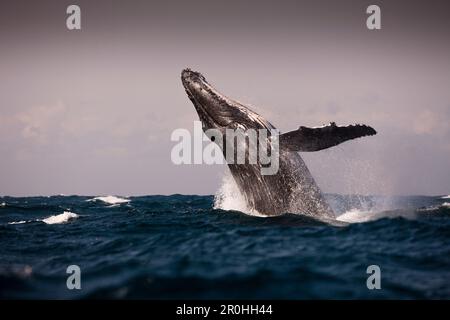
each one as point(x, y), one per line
point(211, 106)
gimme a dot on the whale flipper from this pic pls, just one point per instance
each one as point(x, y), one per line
point(315, 139)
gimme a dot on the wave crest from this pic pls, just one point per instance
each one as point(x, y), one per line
point(110, 199)
point(60, 218)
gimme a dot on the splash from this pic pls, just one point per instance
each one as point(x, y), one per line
point(360, 216)
point(110, 199)
point(60, 218)
point(446, 197)
point(229, 197)
point(356, 216)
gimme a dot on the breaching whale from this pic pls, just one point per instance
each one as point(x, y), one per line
point(292, 189)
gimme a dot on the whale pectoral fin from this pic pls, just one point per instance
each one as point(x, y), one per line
point(315, 139)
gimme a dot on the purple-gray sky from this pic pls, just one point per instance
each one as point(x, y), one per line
point(91, 111)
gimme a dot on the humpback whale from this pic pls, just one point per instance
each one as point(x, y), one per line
point(292, 188)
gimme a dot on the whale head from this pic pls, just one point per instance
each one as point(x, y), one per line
point(215, 110)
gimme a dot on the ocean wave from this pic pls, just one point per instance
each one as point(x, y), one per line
point(60, 218)
point(222, 255)
point(110, 199)
point(446, 197)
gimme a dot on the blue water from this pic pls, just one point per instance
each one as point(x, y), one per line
point(180, 247)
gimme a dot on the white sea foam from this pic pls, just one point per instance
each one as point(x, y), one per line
point(429, 208)
point(359, 216)
point(3, 204)
point(229, 197)
point(110, 199)
point(446, 197)
point(60, 218)
point(436, 207)
point(18, 222)
point(56, 219)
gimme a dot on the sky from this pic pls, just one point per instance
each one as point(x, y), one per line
point(91, 111)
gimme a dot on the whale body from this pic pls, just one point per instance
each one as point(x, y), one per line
point(292, 188)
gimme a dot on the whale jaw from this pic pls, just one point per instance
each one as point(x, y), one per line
point(215, 110)
point(211, 106)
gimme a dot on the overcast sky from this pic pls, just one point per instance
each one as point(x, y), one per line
point(91, 112)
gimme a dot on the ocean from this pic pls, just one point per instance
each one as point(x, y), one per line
point(194, 247)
